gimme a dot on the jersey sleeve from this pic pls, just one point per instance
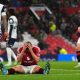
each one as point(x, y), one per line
point(3, 12)
point(36, 51)
point(19, 49)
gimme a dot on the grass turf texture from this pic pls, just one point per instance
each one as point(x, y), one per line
point(59, 71)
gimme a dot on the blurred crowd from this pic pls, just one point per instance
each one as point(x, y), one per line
point(59, 22)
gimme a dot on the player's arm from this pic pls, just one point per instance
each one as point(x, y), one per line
point(21, 53)
point(4, 18)
point(35, 57)
point(4, 22)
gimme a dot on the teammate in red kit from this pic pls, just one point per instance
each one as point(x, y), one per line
point(78, 48)
point(29, 57)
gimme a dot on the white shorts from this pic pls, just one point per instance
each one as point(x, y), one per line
point(78, 42)
point(28, 69)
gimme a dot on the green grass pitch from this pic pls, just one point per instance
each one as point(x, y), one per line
point(59, 71)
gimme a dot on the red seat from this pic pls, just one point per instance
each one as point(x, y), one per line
point(59, 41)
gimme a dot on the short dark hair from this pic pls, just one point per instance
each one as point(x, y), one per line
point(28, 42)
point(11, 11)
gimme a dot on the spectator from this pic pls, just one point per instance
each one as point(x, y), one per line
point(63, 26)
point(60, 50)
point(53, 28)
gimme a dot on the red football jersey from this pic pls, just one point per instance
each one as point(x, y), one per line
point(27, 59)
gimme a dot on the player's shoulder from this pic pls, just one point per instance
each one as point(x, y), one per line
point(19, 49)
point(36, 48)
point(1, 5)
point(13, 17)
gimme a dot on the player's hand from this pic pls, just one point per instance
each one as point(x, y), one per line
point(6, 35)
point(24, 47)
point(29, 46)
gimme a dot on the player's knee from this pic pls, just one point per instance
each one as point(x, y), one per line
point(38, 70)
point(8, 49)
point(17, 68)
point(11, 71)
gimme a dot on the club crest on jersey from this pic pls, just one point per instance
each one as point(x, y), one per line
point(28, 58)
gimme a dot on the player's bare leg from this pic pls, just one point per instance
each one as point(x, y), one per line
point(16, 69)
point(38, 70)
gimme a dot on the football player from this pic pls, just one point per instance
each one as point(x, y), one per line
point(3, 19)
point(29, 57)
point(78, 48)
point(12, 31)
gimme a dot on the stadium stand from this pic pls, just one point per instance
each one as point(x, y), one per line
point(58, 40)
point(25, 23)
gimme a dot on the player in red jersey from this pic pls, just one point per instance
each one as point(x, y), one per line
point(78, 48)
point(29, 57)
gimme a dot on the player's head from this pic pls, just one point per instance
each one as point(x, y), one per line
point(28, 42)
point(11, 11)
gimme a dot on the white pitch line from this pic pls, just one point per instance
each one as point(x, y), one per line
point(65, 74)
point(65, 69)
point(47, 74)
